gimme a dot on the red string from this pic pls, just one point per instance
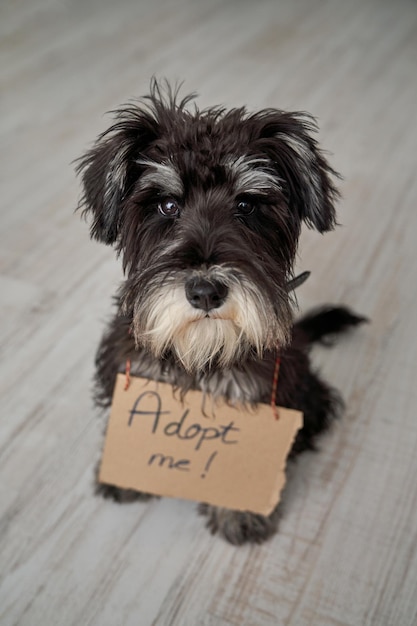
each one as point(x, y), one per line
point(274, 388)
point(128, 366)
point(127, 380)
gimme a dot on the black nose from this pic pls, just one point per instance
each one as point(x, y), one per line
point(205, 294)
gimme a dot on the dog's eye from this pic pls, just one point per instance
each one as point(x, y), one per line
point(169, 208)
point(244, 208)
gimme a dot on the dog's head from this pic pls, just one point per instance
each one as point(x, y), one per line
point(205, 208)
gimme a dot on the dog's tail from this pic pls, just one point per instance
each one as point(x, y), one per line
point(323, 324)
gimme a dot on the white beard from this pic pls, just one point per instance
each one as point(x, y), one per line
point(245, 322)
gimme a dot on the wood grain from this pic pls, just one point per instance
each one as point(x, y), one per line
point(346, 552)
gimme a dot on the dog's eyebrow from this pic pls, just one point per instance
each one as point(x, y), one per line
point(161, 175)
point(252, 175)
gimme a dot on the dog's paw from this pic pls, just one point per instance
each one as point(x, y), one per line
point(120, 495)
point(240, 527)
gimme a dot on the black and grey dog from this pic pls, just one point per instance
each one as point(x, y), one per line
point(205, 209)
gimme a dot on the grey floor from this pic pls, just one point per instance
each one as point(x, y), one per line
point(345, 554)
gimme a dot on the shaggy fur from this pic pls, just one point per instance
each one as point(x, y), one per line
point(205, 208)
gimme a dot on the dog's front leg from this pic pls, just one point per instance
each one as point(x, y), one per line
point(120, 495)
point(116, 346)
point(123, 496)
point(240, 527)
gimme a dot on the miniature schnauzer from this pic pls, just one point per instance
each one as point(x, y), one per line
point(205, 208)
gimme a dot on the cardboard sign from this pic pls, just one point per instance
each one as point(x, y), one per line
point(196, 450)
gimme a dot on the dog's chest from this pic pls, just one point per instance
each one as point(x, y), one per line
point(234, 385)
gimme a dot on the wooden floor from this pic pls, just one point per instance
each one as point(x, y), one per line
point(346, 553)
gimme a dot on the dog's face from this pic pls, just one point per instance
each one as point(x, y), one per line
point(206, 209)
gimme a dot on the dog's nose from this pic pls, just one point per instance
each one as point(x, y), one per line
point(205, 294)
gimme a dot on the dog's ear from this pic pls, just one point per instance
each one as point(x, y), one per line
point(287, 140)
point(110, 169)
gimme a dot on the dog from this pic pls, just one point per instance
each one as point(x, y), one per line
point(205, 208)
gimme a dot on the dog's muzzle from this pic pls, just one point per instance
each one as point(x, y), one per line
point(205, 294)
